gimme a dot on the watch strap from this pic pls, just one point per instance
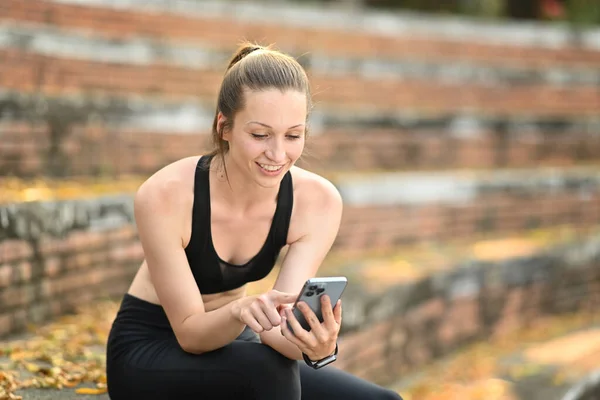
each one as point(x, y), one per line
point(322, 362)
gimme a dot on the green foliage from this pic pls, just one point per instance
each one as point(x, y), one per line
point(583, 12)
point(578, 12)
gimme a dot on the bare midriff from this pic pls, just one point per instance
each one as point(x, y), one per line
point(142, 288)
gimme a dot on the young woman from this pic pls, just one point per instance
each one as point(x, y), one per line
point(208, 225)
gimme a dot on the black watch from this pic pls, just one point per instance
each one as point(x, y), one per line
point(322, 362)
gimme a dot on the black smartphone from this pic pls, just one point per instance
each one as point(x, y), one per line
point(311, 294)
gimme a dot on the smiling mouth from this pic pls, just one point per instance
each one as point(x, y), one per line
point(270, 168)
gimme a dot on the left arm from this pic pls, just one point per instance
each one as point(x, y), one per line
point(318, 223)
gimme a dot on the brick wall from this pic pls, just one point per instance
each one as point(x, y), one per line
point(54, 256)
point(25, 150)
point(435, 98)
point(386, 227)
point(21, 72)
point(77, 269)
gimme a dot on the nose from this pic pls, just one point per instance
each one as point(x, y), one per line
point(276, 151)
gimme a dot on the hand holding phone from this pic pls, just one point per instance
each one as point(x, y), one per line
point(313, 323)
point(311, 294)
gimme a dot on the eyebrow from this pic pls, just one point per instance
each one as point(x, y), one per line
point(270, 127)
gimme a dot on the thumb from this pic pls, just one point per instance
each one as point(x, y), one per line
point(282, 307)
point(283, 297)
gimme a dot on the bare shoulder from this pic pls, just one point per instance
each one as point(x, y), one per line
point(315, 196)
point(169, 190)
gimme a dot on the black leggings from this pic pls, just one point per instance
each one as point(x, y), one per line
point(144, 360)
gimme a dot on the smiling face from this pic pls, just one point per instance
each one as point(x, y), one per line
point(268, 134)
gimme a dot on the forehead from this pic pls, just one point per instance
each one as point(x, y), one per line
point(274, 107)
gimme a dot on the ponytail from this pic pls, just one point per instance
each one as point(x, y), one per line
point(242, 52)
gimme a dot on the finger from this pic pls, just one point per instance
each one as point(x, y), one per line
point(281, 310)
point(307, 338)
point(282, 298)
point(311, 318)
point(260, 316)
point(289, 335)
point(337, 312)
point(248, 319)
point(269, 310)
point(327, 311)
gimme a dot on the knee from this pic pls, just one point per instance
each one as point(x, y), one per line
point(389, 395)
point(278, 364)
point(283, 369)
point(275, 376)
point(271, 363)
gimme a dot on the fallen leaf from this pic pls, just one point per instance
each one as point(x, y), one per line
point(90, 391)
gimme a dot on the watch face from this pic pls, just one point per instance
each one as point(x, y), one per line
point(325, 361)
point(321, 363)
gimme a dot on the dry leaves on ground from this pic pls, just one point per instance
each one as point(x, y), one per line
point(63, 354)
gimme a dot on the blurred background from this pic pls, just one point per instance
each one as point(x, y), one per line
point(464, 137)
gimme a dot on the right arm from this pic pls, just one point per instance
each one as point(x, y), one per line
point(160, 215)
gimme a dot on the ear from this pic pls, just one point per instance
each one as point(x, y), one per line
point(220, 121)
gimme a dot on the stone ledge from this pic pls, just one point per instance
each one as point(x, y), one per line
point(32, 220)
point(460, 187)
point(161, 115)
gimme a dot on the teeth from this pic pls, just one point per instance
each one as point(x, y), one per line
point(271, 167)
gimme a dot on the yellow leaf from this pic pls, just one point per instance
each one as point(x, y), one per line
point(90, 391)
point(32, 367)
point(559, 378)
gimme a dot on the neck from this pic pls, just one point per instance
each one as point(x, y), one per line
point(239, 191)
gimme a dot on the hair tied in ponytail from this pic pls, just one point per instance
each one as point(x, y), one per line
point(243, 52)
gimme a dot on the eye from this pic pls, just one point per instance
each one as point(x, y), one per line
point(258, 136)
point(294, 137)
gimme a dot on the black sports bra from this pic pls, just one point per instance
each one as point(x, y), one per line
point(214, 275)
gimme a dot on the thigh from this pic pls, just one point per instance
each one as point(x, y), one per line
point(241, 370)
point(260, 371)
point(330, 383)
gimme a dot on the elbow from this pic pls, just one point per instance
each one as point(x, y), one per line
point(188, 340)
point(188, 344)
